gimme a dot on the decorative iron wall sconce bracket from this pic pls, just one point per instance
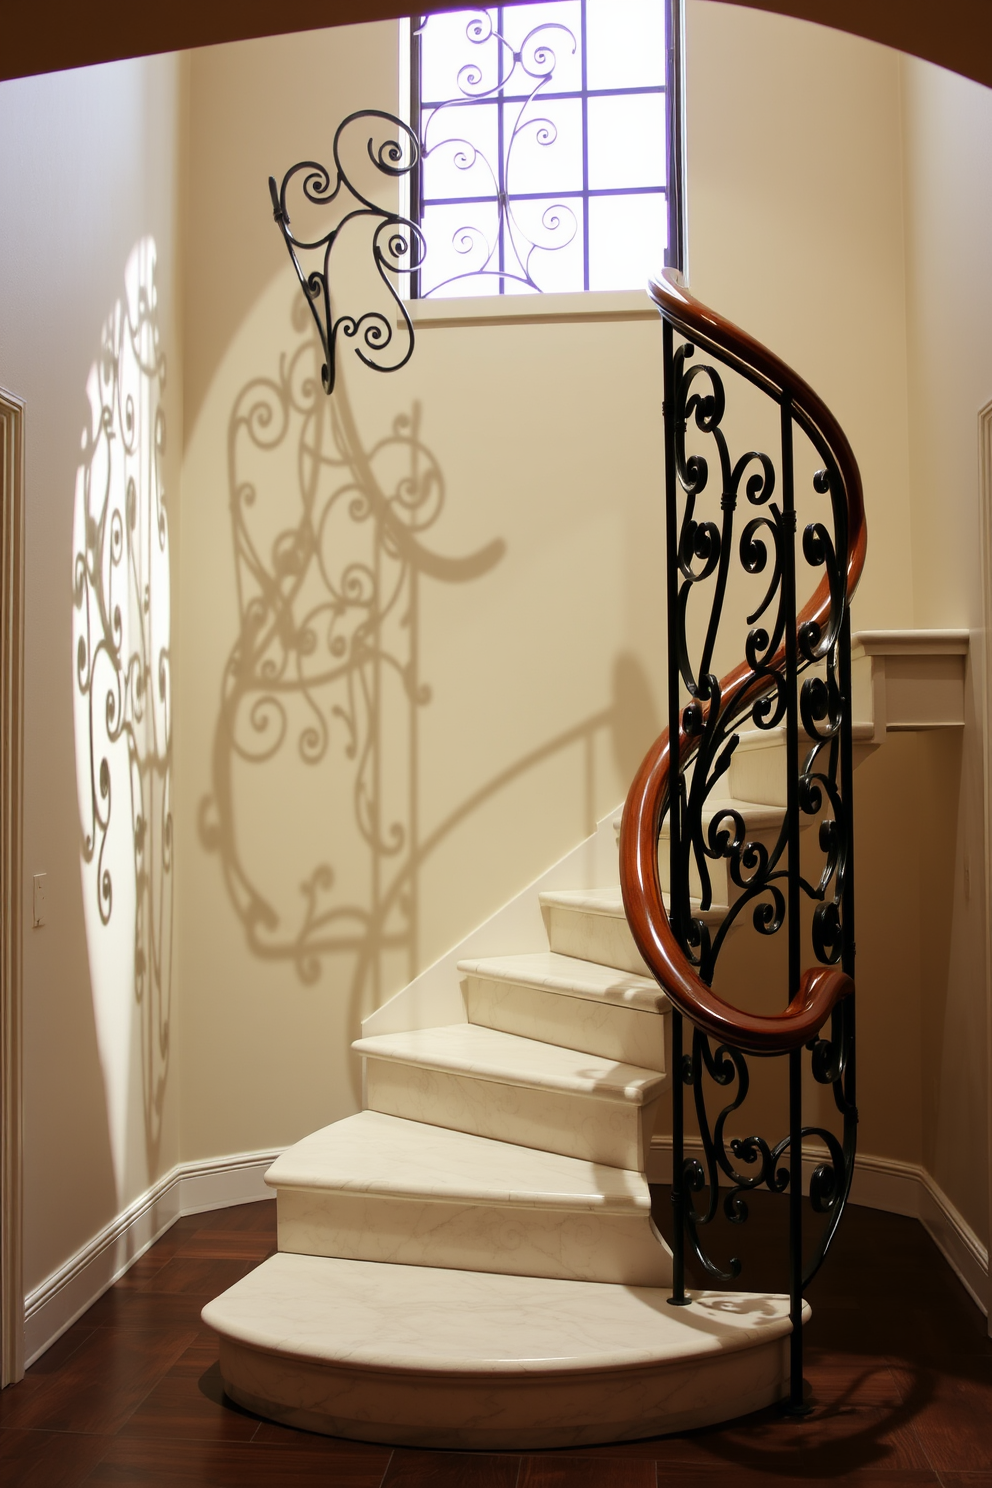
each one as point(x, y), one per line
point(395, 242)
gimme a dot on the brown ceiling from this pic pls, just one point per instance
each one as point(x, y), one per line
point(69, 33)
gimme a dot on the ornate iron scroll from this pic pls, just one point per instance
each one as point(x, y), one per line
point(733, 545)
point(395, 243)
point(512, 103)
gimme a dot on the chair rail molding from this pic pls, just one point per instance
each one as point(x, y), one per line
point(985, 504)
point(11, 905)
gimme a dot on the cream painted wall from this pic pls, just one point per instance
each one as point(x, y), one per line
point(548, 440)
point(88, 165)
point(948, 132)
point(814, 160)
point(541, 669)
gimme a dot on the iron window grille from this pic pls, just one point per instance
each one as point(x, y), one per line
point(551, 138)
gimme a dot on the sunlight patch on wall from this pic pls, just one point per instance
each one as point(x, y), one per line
point(122, 712)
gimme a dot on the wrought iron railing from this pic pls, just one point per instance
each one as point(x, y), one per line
point(795, 681)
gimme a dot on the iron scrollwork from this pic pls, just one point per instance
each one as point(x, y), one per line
point(794, 689)
point(507, 253)
point(396, 244)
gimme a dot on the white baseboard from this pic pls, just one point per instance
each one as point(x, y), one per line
point(895, 1188)
point(189, 1188)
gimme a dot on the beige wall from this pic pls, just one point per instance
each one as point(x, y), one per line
point(547, 438)
point(88, 162)
point(538, 659)
point(814, 161)
point(948, 132)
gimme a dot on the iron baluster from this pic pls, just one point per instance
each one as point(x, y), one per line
point(793, 687)
point(678, 1297)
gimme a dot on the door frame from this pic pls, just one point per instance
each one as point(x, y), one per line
point(11, 891)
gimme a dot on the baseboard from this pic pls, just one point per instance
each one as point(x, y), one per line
point(189, 1188)
point(895, 1188)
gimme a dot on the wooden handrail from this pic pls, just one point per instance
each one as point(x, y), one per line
point(820, 987)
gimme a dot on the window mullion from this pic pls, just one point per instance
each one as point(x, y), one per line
point(585, 145)
point(502, 206)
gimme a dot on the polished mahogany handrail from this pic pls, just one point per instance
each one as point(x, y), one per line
point(821, 987)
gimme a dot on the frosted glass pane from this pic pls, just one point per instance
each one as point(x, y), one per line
point(628, 236)
point(454, 61)
point(543, 146)
point(547, 36)
point(547, 238)
point(462, 148)
point(460, 240)
point(627, 141)
point(625, 40)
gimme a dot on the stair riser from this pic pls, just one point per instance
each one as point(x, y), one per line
point(505, 1411)
point(626, 1035)
point(605, 939)
point(759, 774)
point(520, 1241)
point(723, 890)
point(614, 1132)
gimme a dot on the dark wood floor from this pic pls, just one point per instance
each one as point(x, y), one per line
point(899, 1365)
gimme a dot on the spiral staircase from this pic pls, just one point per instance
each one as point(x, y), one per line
point(471, 1261)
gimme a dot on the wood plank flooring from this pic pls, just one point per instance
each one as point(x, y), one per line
point(898, 1363)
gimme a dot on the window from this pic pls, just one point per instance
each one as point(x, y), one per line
point(551, 137)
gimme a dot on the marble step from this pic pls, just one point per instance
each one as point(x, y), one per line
point(426, 1357)
point(563, 1000)
point(762, 823)
point(758, 765)
point(378, 1188)
point(515, 1089)
point(590, 924)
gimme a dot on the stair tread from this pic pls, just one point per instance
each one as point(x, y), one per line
point(609, 902)
point(378, 1154)
point(371, 1315)
point(550, 971)
point(756, 738)
point(758, 816)
point(508, 1059)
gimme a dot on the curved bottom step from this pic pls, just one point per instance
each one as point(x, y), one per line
point(416, 1356)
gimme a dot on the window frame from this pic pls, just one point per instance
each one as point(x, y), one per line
point(577, 304)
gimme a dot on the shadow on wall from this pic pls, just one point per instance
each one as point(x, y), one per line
point(122, 711)
point(326, 674)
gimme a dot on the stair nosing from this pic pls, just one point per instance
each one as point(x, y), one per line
point(627, 1204)
point(638, 1091)
point(648, 989)
point(508, 1298)
point(560, 899)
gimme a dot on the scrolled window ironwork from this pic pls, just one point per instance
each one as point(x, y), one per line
point(367, 145)
point(550, 142)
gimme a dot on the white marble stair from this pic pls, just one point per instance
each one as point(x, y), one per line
point(589, 1006)
point(471, 1262)
point(590, 924)
point(515, 1089)
point(440, 1358)
point(762, 823)
point(378, 1188)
